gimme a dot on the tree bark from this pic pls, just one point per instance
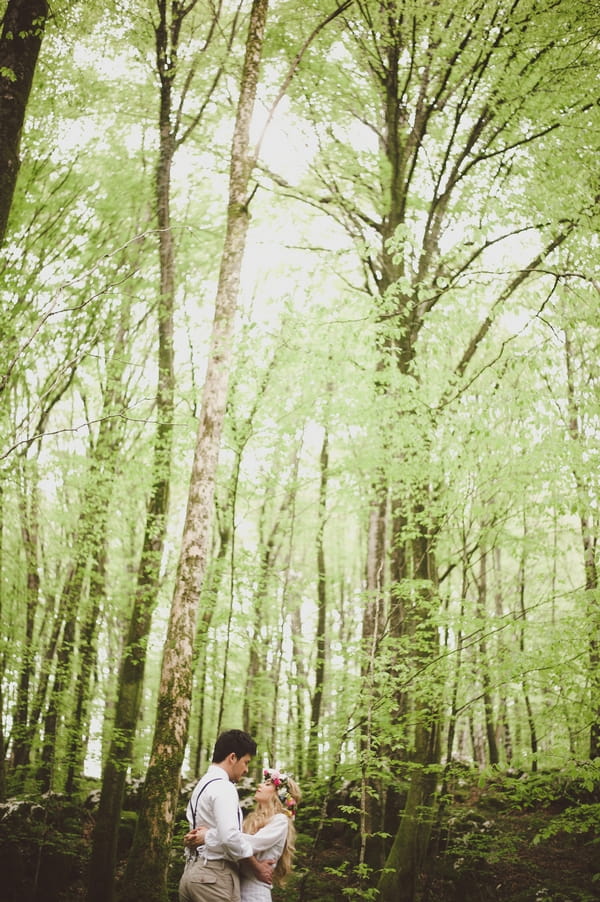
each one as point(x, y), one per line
point(399, 880)
point(22, 727)
point(259, 684)
point(146, 872)
point(484, 667)
point(22, 31)
point(400, 876)
point(133, 663)
point(89, 550)
point(2, 736)
point(372, 804)
point(524, 682)
point(312, 755)
point(589, 541)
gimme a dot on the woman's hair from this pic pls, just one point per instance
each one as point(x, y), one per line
point(263, 813)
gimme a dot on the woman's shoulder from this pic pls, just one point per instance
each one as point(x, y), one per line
point(281, 816)
point(280, 819)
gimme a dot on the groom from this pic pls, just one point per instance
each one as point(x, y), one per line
point(214, 803)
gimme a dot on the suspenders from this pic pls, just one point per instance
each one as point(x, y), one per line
point(194, 808)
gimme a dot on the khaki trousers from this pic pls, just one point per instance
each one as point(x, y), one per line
point(209, 881)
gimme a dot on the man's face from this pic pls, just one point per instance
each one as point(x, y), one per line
point(239, 767)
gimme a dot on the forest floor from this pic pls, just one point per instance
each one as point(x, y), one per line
point(557, 871)
point(493, 846)
point(506, 839)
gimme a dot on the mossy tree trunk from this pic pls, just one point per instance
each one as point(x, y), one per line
point(589, 529)
point(399, 880)
point(484, 664)
point(146, 873)
point(23, 26)
point(312, 754)
point(133, 662)
point(84, 577)
point(372, 801)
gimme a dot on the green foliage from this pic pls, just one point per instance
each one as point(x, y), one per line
point(43, 845)
point(575, 781)
point(358, 876)
point(507, 831)
point(474, 839)
point(579, 820)
point(476, 455)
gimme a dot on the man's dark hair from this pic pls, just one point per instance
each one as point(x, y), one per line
point(235, 741)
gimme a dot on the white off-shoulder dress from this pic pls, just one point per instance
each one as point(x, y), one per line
point(268, 842)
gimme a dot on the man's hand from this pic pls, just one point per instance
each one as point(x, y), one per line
point(263, 870)
point(194, 838)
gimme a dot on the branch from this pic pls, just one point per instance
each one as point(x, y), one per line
point(121, 415)
point(294, 67)
point(216, 78)
point(512, 287)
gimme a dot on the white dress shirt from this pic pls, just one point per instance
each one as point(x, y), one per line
point(214, 803)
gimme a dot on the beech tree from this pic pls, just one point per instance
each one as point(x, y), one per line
point(23, 25)
point(579, 420)
point(438, 118)
point(172, 134)
point(156, 820)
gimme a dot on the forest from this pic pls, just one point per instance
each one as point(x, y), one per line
point(299, 415)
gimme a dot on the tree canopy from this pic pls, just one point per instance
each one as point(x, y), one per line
point(299, 381)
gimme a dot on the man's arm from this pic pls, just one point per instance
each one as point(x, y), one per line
point(263, 870)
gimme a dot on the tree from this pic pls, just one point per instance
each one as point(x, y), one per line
point(418, 580)
point(23, 26)
point(439, 121)
point(148, 860)
point(312, 755)
point(589, 535)
point(130, 687)
point(85, 575)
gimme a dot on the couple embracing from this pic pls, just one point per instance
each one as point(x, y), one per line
point(228, 860)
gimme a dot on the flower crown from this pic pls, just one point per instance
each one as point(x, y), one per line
point(280, 782)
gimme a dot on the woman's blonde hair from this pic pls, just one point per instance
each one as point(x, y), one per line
point(263, 813)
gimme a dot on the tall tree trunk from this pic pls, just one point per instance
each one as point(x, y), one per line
point(208, 602)
point(300, 687)
point(589, 539)
point(2, 663)
point(458, 659)
point(89, 547)
point(79, 719)
point(22, 727)
point(101, 886)
point(266, 680)
point(484, 669)
point(524, 683)
point(22, 31)
point(258, 682)
point(372, 805)
point(405, 860)
point(230, 607)
point(312, 755)
point(503, 731)
point(147, 865)
point(404, 863)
